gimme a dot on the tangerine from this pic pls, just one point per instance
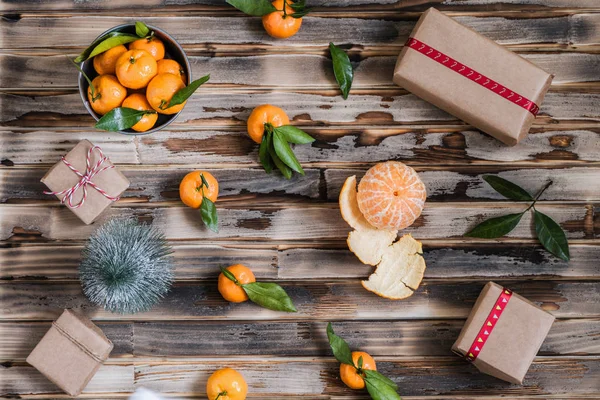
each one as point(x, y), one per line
point(108, 93)
point(391, 195)
point(105, 63)
point(135, 68)
point(229, 289)
point(262, 115)
point(226, 384)
point(160, 91)
point(152, 45)
point(138, 101)
point(349, 374)
point(168, 66)
point(192, 189)
point(281, 26)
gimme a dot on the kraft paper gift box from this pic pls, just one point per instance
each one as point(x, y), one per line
point(471, 77)
point(503, 333)
point(107, 179)
point(71, 352)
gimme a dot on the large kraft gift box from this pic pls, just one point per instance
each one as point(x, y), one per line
point(71, 352)
point(503, 333)
point(108, 179)
point(471, 77)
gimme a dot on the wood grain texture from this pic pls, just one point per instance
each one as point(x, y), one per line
point(199, 260)
point(315, 300)
point(298, 223)
point(277, 71)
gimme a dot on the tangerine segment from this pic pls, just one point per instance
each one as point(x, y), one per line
point(138, 101)
point(263, 114)
point(152, 45)
point(279, 26)
point(108, 93)
point(192, 190)
point(135, 68)
point(105, 63)
point(229, 290)
point(160, 91)
point(226, 384)
point(348, 373)
point(391, 195)
point(168, 66)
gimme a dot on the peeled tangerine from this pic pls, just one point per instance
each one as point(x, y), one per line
point(400, 265)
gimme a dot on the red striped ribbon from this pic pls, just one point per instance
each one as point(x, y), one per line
point(86, 179)
point(473, 75)
point(488, 325)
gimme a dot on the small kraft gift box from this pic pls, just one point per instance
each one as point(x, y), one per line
point(471, 77)
point(71, 352)
point(85, 181)
point(503, 333)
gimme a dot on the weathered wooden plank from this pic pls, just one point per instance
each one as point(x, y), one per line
point(79, 30)
point(198, 260)
point(160, 340)
point(36, 72)
point(320, 377)
point(322, 222)
point(232, 108)
point(316, 301)
point(243, 186)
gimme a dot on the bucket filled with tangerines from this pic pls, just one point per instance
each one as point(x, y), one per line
point(135, 79)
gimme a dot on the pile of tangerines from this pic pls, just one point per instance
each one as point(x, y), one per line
point(138, 77)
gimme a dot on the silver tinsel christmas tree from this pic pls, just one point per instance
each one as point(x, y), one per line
point(126, 267)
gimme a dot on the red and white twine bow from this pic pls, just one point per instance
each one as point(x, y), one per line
point(86, 179)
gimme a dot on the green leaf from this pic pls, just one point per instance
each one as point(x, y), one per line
point(113, 40)
point(263, 154)
point(203, 179)
point(294, 135)
point(85, 54)
point(342, 69)
point(551, 236)
point(341, 350)
point(285, 153)
point(299, 8)
point(360, 362)
point(256, 8)
point(208, 211)
point(229, 275)
point(141, 29)
point(380, 387)
point(507, 188)
point(269, 295)
point(183, 94)
point(285, 170)
point(121, 118)
point(495, 227)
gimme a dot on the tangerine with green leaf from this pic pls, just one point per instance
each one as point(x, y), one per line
point(233, 291)
point(138, 101)
point(263, 115)
point(353, 376)
point(135, 68)
point(106, 93)
point(106, 63)
point(161, 90)
point(281, 24)
point(197, 185)
point(226, 384)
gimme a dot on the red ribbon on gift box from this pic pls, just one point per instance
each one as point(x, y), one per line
point(86, 179)
point(488, 325)
point(473, 75)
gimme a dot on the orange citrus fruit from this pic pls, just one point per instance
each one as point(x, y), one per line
point(152, 45)
point(105, 63)
point(135, 68)
point(279, 26)
point(192, 190)
point(109, 93)
point(263, 114)
point(226, 384)
point(229, 290)
point(349, 374)
point(160, 91)
point(168, 66)
point(138, 101)
point(391, 195)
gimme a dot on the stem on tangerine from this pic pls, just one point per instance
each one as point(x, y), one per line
point(223, 393)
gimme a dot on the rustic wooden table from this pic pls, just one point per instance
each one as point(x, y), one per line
point(291, 231)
